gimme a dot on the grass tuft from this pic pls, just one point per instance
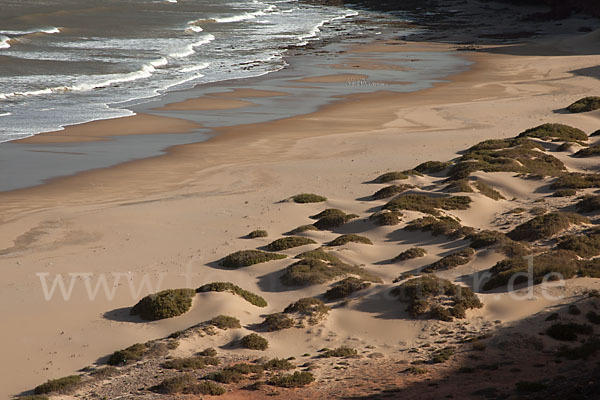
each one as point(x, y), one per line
point(259, 233)
point(589, 204)
point(443, 225)
point(488, 191)
point(277, 321)
point(576, 180)
point(225, 322)
point(308, 198)
point(342, 351)
point(432, 167)
point(390, 191)
point(386, 218)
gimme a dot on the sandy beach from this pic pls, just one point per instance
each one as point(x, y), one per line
point(169, 219)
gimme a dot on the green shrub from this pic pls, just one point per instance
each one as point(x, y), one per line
point(225, 376)
point(301, 229)
point(346, 287)
point(432, 167)
point(332, 218)
point(589, 204)
point(208, 352)
point(459, 186)
point(166, 304)
point(592, 151)
point(329, 212)
point(442, 355)
point(555, 262)
point(130, 354)
point(295, 380)
point(427, 204)
point(190, 363)
point(568, 332)
point(245, 258)
point(452, 260)
point(230, 287)
point(278, 364)
point(409, 254)
point(590, 103)
point(390, 191)
point(565, 193)
point(546, 226)
point(319, 254)
point(342, 351)
point(308, 198)
point(60, 385)
point(345, 239)
point(289, 242)
point(555, 131)
point(314, 271)
point(500, 241)
point(386, 218)
point(259, 233)
point(277, 322)
point(497, 144)
point(488, 191)
point(309, 308)
point(245, 368)
point(530, 387)
point(436, 297)
point(174, 385)
point(443, 225)
point(576, 180)
point(254, 341)
point(225, 322)
point(585, 245)
point(206, 388)
point(390, 176)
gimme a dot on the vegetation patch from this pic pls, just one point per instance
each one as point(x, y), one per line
point(568, 332)
point(556, 131)
point(432, 167)
point(342, 351)
point(131, 354)
point(576, 180)
point(409, 254)
point(427, 204)
point(488, 191)
point(278, 364)
point(166, 304)
point(435, 297)
point(386, 218)
point(586, 350)
point(442, 355)
point(390, 191)
point(565, 193)
point(390, 177)
point(245, 258)
point(500, 241)
point(584, 245)
point(174, 385)
point(225, 322)
point(190, 363)
point(308, 198)
point(332, 218)
point(346, 287)
point(452, 260)
point(254, 341)
point(546, 226)
point(277, 322)
point(442, 225)
point(593, 317)
point(259, 233)
point(60, 385)
point(231, 288)
point(206, 388)
point(311, 309)
point(319, 254)
point(459, 186)
point(312, 271)
point(295, 380)
point(592, 151)
point(589, 204)
point(302, 229)
point(585, 104)
point(351, 238)
point(289, 242)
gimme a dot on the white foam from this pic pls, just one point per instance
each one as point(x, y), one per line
point(190, 48)
point(245, 16)
point(49, 30)
point(6, 114)
point(4, 42)
point(195, 67)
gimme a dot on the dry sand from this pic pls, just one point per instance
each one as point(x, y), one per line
point(175, 215)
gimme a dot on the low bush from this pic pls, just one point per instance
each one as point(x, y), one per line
point(231, 288)
point(342, 351)
point(175, 384)
point(254, 341)
point(452, 260)
point(555, 131)
point(386, 218)
point(277, 322)
point(546, 226)
point(582, 352)
point(60, 385)
point(390, 191)
point(301, 229)
point(245, 368)
point(308, 198)
point(346, 287)
point(488, 191)
point(443, 225)
point(576, 180)
point(442, 355)
point(585, 104)
point(568, 332)
point(206, 388)
point(459, 186)
point(436, 297)
point(311, 309)
point(190, 363)
point(592, 151)
point(208, 352)
point(295, 380)
point(289, 242)
point(409, 254)
point(432, 167)
point(105, 372)
point(427, 204)
point(566, 146)
point(130, 354)
point(319, 254)
point(259, 233)
point(166, 304)
point(351, 238)
point(584, 245)
point(332, 218)
point(390, 177)
point(278, 364)
point(245, 258)
point(500, 241)
point(565, 193)
point(225, 322)
point(314, 271)
point(589, 204)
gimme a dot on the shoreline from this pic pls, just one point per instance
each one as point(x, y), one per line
point(196, 204)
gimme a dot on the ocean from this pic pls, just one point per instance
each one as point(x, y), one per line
point(64, 62)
